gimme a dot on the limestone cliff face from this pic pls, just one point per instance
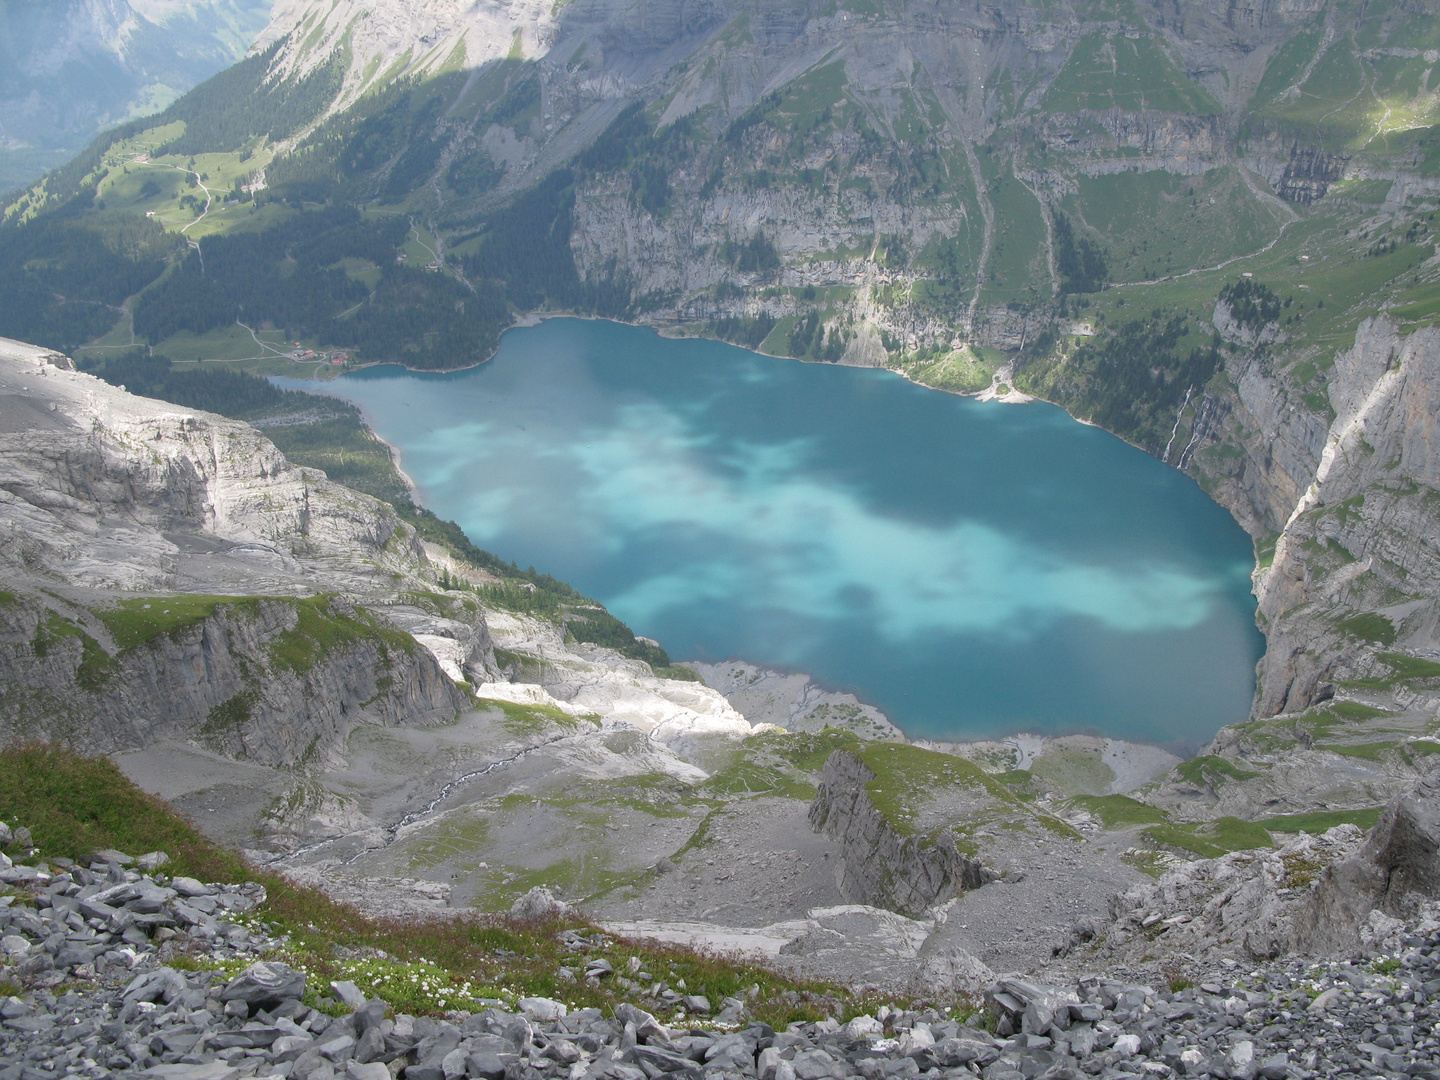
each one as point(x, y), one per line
point(98, 486)
point(169, 575)
point(1396, 870)
point(1355, 507)
point(882, 867)
point(1232, 329)
point(266, 679)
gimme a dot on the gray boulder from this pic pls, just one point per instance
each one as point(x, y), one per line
point(152, 861)
point(264, 984)
point(540, 903)
point(1395, 870)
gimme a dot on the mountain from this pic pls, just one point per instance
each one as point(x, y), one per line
point(1206, 227)
point(72, 68)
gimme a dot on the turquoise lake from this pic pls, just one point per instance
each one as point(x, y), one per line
point(973, 569)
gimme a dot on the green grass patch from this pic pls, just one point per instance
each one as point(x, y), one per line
point(1212, 770)
point(817, 90)
point(1149, 862)
point(747, 777)
point(1017, 269)
point(960, 371)
point(1118, 811)
point(530, 720)
point(1074, 771)
point(1112, 71)
point(1368, 626)
point(1265, 550)
point(1021, 783)
point(1156, 223)
point(1361, 191)
point(1286, 66)
point(135, 622)
point(1376, 751)
point(321, 630)
point(1355, 710)
point(1411, 667)
point(806, 751)
point(1212, 839)
point(96, 665)
point(907, 777)
point(1321, 820)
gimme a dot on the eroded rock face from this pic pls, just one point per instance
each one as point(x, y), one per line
point(1247, 904)
point(1396, 871)
point(882, 867)
point(97, 487)
point(793, 701)
point(1233, 330)
point(266, 679)
point(1352, 502)
point(262, 622)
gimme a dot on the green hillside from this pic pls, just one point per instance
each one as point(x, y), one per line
point(1119, 169)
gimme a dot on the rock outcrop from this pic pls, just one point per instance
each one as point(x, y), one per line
point(171, 575)
point(882, 866)
point(102, 489)
point(1232, 329)
point(793, 701)
point(1396, 871)
point(1342, 481)
point(1248, 904)
point(1362, 483)
point(1326, 894)
point(272, 680)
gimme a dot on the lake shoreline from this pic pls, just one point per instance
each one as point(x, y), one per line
point(719, 371)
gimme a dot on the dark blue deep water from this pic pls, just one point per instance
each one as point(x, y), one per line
point(972, 569)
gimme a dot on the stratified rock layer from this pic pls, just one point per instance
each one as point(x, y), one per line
point(905, 873)
point(110, 504)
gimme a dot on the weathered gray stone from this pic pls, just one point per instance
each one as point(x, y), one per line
point(347, 993)
point(1396, 869)
point(540, 903)
point(907, 874)
point(264, 984)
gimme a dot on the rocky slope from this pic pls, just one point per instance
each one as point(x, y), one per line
point(1346, 706)
point(234, 1009)
point(116, 509)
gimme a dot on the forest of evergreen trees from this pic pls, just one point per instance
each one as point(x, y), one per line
point(1079, 260)
point(1130, 381)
